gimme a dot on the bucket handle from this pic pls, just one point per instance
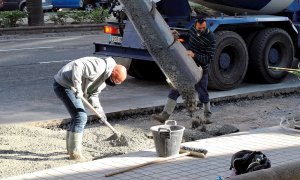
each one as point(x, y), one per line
point(166, 133)
point(173, 121)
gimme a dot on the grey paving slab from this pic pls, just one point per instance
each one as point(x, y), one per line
point(215, 164)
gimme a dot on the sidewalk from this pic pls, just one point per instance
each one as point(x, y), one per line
point(279, 145)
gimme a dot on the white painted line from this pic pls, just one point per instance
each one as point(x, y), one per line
point(7, 50)
point(49, 62)
point(38, 63)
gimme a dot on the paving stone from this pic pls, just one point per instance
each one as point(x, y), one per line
point(215, 164)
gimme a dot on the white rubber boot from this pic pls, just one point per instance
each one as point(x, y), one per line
point(75, 144)
point(207, 113)
point(166, 113)
point(67, 142)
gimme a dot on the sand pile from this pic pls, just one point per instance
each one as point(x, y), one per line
point(27, 149)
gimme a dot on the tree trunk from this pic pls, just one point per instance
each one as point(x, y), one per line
point(35, 12)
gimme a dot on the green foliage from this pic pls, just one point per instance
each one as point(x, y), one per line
point(78, 16)
point(99, 15)
point(59, 18)
point(11, 18)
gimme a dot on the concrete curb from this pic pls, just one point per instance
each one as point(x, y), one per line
point(155, 109)
point(50, 29)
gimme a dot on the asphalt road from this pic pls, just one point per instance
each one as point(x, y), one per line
point(27, 67)
point(28, 64)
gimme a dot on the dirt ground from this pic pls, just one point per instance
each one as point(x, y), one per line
point(25, 149)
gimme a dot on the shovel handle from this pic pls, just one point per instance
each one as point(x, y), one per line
point(283, 69)
point(147, 163)
point(94, 110)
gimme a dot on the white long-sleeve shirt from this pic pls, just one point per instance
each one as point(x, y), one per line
point(83, 72)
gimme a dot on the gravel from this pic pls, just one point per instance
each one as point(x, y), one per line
point(25, 149)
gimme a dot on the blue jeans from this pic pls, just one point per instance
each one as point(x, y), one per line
point(200, 87)
point(74, 106)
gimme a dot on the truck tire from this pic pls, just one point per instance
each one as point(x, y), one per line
point(249, 40)
point(230, 63)
point(271, 47)
point(145, 70)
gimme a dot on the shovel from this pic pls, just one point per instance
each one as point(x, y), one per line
point(292, 71)
point(117, 139)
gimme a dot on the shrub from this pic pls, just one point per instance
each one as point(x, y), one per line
point(99, 15)
point(11, 18)
point(78, 16)
point(59, 18)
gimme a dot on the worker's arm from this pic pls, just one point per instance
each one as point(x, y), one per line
point(203, 59)
point(77, 73)
point(94, 100)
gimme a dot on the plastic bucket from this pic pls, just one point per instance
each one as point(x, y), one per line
point(167, 138)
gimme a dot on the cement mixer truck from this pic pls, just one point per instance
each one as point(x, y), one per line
point(251, 35)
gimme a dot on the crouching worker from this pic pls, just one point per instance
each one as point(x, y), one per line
point(88, 75)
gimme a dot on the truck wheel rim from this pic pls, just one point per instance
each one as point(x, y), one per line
point(225, 60)
point(274, 55)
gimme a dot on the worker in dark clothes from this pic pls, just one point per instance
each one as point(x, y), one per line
point(202, 44)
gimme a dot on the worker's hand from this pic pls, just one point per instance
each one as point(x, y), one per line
point(102, 114)
point(190, 53)
point(78, 94)
point(103, 117)
point(175, 35)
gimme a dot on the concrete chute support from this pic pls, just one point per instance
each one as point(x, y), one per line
point(169, 54)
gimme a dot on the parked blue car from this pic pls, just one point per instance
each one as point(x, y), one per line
point(6, 5)
point(79, 4)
